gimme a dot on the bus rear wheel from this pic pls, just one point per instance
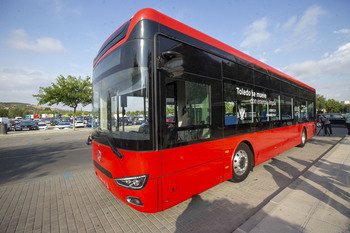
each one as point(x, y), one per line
point(241, 163)
point(303, 138)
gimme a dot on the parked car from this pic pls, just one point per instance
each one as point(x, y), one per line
point(140, 122)
point(43, 125)
point(335, 118)
point(66, 119)
point(79, 124)
point(54, 122)
point(47, 120)
point(126, 121)
point(26, 125)
point(64, 125)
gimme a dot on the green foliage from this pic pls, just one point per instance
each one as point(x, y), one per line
point(170, 110)
point(347, 107)
point(16, 112)
point(29, 109)
point(133, 113)
point(69, 91)
point(4, 112)
point(334, 106)
point(329, 105)
point(321, 102)
point(229, 107)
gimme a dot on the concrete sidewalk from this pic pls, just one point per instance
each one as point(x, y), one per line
point(311, 197)
point(318, 201)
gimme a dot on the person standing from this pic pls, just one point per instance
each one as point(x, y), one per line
point(327, 126)
point(347, 121)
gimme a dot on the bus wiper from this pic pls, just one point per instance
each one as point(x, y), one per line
point(114, 149)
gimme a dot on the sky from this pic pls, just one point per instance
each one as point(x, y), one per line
point(42, 39)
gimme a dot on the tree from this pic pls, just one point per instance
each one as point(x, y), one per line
point(346, 107)
point(333, 106)
point(69, 91)
point(16, 112)
point(321, 103)
point(4, 112)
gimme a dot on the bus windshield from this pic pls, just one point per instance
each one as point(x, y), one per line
point(121, 96)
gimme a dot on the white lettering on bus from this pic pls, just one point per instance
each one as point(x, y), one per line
point(243, 92)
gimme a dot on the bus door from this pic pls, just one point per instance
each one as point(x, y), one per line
point(190, 129)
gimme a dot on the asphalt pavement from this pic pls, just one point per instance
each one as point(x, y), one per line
point(316, 200)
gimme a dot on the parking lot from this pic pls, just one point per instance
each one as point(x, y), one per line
point(51, 129)
point(72, 199)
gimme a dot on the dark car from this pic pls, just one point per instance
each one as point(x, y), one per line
point(335, 118)
point(54, 122)
point(26, 125)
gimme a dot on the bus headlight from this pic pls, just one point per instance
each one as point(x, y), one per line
point(132, 182)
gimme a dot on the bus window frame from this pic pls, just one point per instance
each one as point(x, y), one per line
point(215, 125)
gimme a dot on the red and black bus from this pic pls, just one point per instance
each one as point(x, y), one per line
point(176, 112)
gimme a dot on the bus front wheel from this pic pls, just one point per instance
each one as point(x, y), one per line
point(241, 163)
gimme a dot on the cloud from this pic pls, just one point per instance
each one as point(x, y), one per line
point(342, 31)
point(290, 23)
point(303, 30)
point(19, 40)
point(19, 84)
point(329, 75)
point(308, 21)
point(337, 63)
point(256, 34)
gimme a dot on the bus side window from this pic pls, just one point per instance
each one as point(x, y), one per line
point(238, 105)
point(188, 111)
point(230, 100)
point(193, 100)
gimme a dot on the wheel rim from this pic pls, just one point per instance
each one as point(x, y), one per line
point(240, 162)
point(303, 137)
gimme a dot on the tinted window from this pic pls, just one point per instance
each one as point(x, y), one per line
point(287, 109)
point(262, 80)
point(237, 72)
point(181, 57)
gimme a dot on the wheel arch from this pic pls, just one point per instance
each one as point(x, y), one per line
point(250, 145)
point(303, 129)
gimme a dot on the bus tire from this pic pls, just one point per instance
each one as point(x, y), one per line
point(241, 163)
point(303, 138)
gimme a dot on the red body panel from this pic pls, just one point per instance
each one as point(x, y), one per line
point(182, 158)
point(266, 144)
point(132, 164)
point(180, 173)
point(185, 184)
point(190, 170)
point(148, 195)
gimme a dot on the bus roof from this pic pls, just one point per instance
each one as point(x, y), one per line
point(151, 14)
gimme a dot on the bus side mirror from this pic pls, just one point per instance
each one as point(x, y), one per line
point(89, 140)
point(168, 55)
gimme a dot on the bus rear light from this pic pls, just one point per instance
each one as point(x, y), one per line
point(134, 201)
point(133, 182)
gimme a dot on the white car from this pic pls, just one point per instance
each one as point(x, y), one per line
point(64, 125)
point(79, 124)
point(43, 125)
